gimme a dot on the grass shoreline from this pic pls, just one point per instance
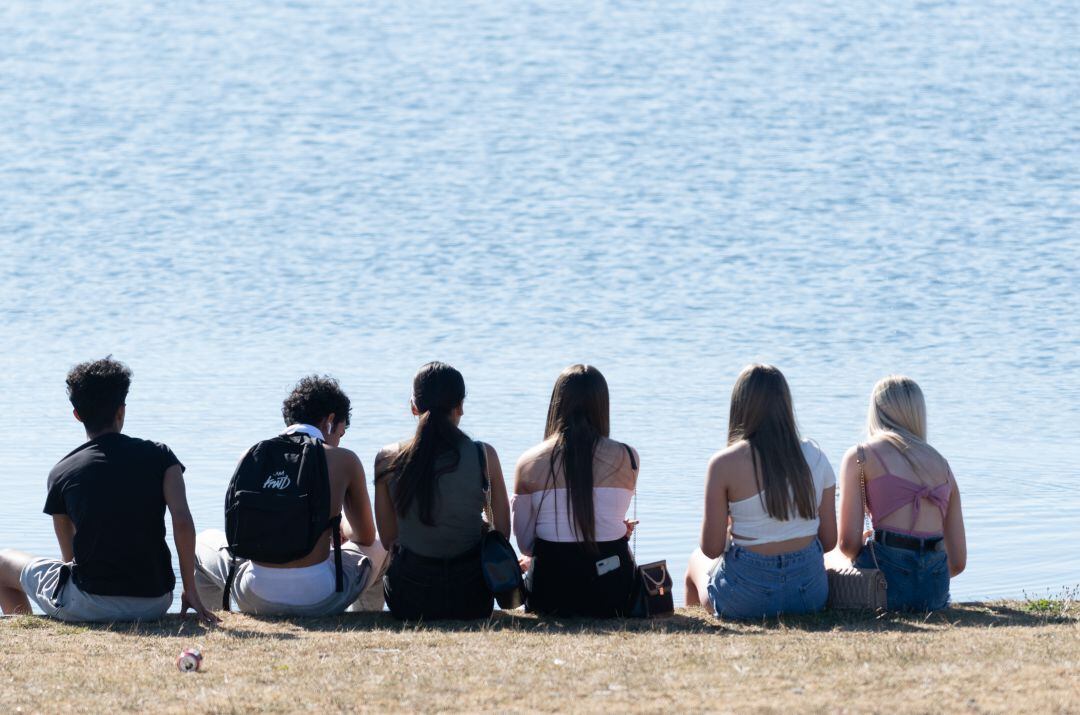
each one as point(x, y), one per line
point(992, 656)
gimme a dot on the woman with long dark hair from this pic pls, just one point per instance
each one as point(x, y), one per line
point(770, 510)
point(429, 501)
point(571, 495)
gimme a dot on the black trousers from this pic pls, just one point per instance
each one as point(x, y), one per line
point(566, 580)
point(424, 588)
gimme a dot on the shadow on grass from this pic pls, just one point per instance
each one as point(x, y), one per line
point(172, 625)
point(690, 621)
point(694, 621)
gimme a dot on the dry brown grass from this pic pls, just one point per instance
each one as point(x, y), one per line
point(1003, 656)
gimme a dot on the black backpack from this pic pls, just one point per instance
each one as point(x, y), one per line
point(277, 502)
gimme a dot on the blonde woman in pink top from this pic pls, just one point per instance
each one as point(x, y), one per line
point(912, 498)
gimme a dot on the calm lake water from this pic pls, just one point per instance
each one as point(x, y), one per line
point(230, 195)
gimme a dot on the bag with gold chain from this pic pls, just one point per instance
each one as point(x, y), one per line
point(651, 595)
point(853, 588)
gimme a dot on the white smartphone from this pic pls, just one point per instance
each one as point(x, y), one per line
point(607, 565)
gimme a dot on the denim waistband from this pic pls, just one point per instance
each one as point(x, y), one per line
point(794, 559)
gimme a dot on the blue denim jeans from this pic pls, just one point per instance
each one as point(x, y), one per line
point(918, 580)
point(748, 585)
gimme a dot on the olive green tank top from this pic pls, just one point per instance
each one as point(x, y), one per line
point(457, 515)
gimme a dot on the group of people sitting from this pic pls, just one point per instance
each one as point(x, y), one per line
point(302, 538)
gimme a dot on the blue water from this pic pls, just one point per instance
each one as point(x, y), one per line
point(230, 195)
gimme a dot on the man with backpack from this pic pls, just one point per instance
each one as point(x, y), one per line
point(281, 552)
point(107, 499)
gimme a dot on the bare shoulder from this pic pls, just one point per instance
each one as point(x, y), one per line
point(937, 461)
point(851, 456)
point(343, 454)
point(385, 456)
point(535, 456)
point(614, 451)
point(731, 457)
point(342, 458)
point(388, 451)
point(533, 467)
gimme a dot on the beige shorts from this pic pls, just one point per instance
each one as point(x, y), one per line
point(55, 593)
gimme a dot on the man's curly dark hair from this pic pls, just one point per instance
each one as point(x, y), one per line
point(315, 397)
point(97, 390)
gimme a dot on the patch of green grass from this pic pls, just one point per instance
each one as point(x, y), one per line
point(1053, 605)
point(29, 622)
point(1044, 605)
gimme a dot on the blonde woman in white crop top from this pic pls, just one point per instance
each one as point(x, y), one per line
point(770, 510)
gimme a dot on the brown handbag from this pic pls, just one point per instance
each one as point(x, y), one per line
point(651, 595)
point(853, 588)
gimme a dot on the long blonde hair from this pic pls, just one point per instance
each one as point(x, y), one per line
point(897, 415)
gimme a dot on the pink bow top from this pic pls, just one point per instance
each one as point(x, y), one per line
point(889, 493)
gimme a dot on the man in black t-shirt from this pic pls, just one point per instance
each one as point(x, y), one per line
point(107, 499)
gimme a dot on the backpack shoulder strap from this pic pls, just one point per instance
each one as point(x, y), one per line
point(633, 460)
point(315, 447)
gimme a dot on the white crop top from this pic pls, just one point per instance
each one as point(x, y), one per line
point(548, 516)
point(541, 509)
point(752, 522)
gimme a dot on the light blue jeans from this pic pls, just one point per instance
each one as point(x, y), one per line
point(918, 580)
point(748, 585)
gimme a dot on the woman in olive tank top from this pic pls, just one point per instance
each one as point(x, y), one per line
point(429, 500)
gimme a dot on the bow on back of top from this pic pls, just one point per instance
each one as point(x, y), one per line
point(889, 492)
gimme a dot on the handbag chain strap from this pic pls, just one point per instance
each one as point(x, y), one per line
point(633, 467)
point(861, 458)
point(489, 513)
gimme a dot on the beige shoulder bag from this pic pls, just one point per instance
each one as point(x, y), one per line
point(855, 588)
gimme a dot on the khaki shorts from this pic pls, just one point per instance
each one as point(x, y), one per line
point(212, 559)
point(46, 584)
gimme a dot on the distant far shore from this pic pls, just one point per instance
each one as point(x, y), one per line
point(999, 655)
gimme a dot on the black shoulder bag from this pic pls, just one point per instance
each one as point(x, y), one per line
point(498, 559)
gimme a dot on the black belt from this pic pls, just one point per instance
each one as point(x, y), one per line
point(911, 543)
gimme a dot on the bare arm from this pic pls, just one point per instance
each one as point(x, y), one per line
point(385, 516)
point(827, 519)
point(851, 506)
point(955, 537)
point(184, 538)
point(65, 536)
point(714, 527)
point(357, 504)
point(524, 514)
point(500, 503)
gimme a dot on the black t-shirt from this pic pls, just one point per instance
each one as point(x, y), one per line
point(112, 488)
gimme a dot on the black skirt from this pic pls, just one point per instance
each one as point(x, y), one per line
point(424, 588)
point(566, 579)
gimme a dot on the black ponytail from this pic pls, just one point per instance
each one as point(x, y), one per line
point(438, 389)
